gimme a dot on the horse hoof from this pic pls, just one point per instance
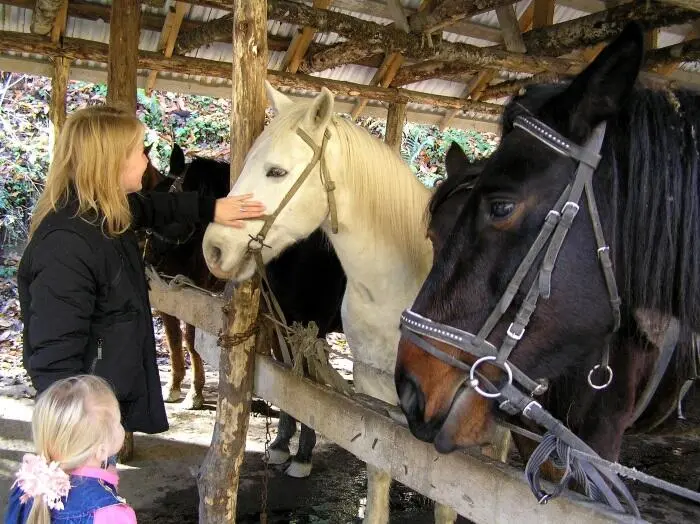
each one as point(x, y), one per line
point(278, 456)
point(172, 394)
point(299, 470)
point(193, 402)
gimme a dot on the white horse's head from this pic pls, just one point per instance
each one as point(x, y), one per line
point(275, 163)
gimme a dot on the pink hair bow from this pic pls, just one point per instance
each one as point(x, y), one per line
point(37, 478)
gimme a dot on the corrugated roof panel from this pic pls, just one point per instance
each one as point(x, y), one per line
point(490, 19)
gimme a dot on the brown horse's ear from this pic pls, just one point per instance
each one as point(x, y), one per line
point(177, 161)
point(599, 91)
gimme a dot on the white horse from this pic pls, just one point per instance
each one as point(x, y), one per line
point(380, 240)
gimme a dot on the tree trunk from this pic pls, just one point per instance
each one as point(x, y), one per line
point(124, 33)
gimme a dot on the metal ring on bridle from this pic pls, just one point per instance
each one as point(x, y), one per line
point(256, 243)
point(474, 382)
point(601, 386)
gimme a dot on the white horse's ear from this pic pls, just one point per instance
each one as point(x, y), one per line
point(320, 111)
point(280, 102)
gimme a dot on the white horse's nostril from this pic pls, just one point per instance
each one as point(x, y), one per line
point(215, 253)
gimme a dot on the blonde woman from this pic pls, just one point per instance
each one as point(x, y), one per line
point(75, 427)
point(82, 286)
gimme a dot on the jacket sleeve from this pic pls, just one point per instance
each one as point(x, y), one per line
point(158, 208)
point(62, 291)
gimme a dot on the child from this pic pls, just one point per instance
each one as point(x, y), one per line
point(76, 430)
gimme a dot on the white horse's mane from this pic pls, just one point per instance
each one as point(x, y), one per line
point(392, 200)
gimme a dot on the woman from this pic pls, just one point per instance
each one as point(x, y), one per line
point(82, 286)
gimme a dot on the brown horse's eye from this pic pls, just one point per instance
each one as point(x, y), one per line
point(501, 209)
point(276, 172)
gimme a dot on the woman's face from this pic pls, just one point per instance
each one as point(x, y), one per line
point(134, 167)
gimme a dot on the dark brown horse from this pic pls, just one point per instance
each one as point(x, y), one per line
point(648, 202)
point(307, 280)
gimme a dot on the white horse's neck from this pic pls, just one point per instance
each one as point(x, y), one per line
point(384, 272)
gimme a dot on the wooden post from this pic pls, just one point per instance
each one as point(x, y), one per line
point(394, 125)
point(124, 34)
point(59, 89)
point(220, 472)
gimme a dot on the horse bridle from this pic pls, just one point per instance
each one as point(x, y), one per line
point(175, 187)
point(257, 242)
point(551, 237)
point(419, 329)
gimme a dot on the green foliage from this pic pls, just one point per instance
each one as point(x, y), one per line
point(199, 124)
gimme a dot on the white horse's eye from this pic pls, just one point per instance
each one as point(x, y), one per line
point(276, 172)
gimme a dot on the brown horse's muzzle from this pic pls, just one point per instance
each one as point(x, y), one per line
point(438, 405)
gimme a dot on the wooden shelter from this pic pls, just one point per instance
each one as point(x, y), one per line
point(450, 62)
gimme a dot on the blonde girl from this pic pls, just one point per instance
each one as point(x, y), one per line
point(75, 428)
point(82, 287)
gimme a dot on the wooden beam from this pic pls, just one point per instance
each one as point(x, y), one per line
point(667, 69)
point(658, 59)
point(687, 4)
point(59, 90)
point(603, 26)
point(206, 33)
point(512, 29)
point(543, 14)
point(44, 15)
point(495, 493)
point(383, 76)
point(124, 33)
point(509, 87)
point(396, 13)
point(59, 26)
point(300, 43)
point(168, 36)
point(377, 39)
point(448, 12)
point(395, 119)
point(78, 49)
point(219, 475)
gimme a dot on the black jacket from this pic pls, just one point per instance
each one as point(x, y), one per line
point(85, 306)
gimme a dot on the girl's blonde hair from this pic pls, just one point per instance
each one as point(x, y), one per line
point(71, 419)
point(89, 157)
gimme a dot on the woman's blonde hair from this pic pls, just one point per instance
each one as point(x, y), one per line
point(89, 157)
point(71, 419)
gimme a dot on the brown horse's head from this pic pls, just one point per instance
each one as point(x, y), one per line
point(478, 254)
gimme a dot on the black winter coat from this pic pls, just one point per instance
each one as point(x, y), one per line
point(85, 306)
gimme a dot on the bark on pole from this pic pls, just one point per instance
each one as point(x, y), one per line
point(394, 125)
point(59, 88)
point(219, 475)
point(124, 33)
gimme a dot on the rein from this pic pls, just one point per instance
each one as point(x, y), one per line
point(257, 242)
point(559, 444)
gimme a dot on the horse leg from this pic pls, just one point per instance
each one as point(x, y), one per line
point(378, 484)
point(173, 337)
point(194, 398)
point(301, 463)
point(279, 448)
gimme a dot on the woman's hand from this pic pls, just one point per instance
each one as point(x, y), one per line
point(231, 211)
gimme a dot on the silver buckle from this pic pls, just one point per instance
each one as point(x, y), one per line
point(515, 336)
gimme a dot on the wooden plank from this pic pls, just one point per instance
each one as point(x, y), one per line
point(396, 13)
point(168, 37)
point(396, 117)
point(219, 475)
point(447, 12)
point(194, 307)
point(481, 490)
point(124, 33)
point(512, 29)
point(44, 15)
point(383, 77)
point(59, 90)
point(300, 43)
point(543, 14)
point(59, 26)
